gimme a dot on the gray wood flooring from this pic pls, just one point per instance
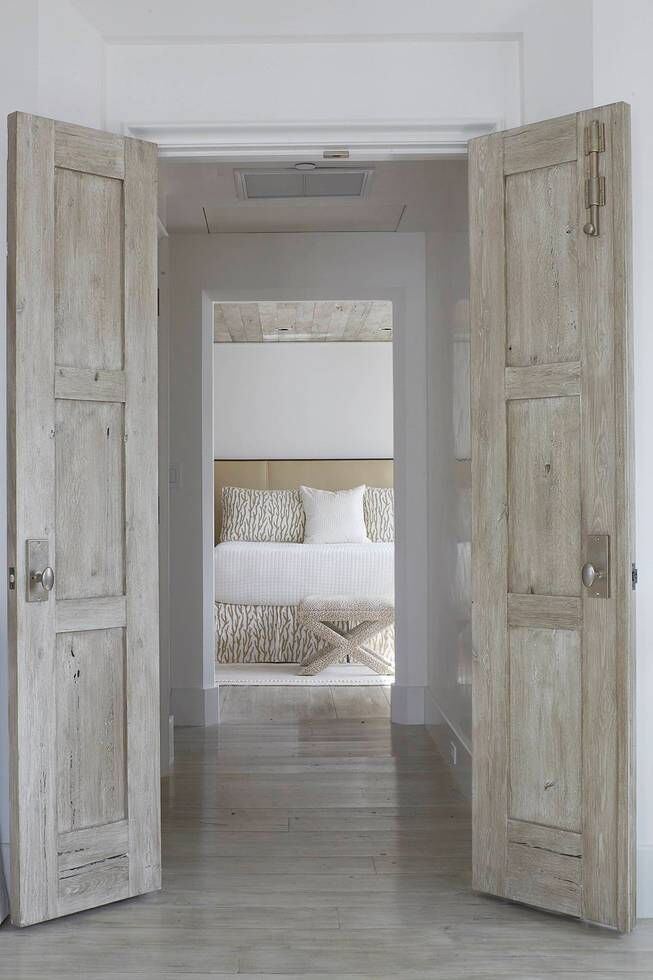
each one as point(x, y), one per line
point(319, 841)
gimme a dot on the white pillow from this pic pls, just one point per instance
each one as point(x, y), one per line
point(334, 516)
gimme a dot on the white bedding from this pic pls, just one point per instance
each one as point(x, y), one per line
point(283, 574)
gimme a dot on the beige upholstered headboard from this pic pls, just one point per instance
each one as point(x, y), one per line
point(288, 474)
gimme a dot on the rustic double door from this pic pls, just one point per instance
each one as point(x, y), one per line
point(552, 533)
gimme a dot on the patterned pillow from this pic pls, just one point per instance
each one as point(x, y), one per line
point(262, 515)
point(379, 511)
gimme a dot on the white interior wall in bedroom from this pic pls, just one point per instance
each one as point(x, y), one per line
point(302, 401)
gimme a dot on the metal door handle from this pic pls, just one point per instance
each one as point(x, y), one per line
point(44, 578)
point(589, 574)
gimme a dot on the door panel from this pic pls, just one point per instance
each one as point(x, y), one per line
point(88, 271)
point(552, 465)
point(545, 714)
point(90, 687)
point(543, 496)
point(83, 478)
point(90, 509)
point(541, 254)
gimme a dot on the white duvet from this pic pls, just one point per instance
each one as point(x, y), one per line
point(268, 574)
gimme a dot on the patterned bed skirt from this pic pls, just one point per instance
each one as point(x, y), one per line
point(271, 634)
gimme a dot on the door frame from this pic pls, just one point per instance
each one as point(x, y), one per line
point(373, 139)
point(376, 140)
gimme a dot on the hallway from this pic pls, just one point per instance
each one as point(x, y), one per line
point(324, 845)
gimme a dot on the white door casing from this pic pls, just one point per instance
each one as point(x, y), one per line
point(82, 481)
point(553, 682)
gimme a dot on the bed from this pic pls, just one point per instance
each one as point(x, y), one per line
point(260, 583)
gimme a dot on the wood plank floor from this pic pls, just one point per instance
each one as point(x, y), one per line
point(311, 838)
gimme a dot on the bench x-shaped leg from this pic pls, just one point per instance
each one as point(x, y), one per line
point(347, 643)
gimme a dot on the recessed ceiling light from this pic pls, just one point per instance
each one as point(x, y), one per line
point(306, 166)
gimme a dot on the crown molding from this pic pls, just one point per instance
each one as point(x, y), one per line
point(212, 40)
point(365, 139)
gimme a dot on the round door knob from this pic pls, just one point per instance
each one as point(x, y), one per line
point(588, 574)
point(46, 578)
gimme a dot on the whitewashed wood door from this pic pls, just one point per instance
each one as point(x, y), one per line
point(82, 462)
point(552, 464)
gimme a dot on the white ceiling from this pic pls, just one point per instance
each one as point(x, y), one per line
point(210, 19)
point(200, 197)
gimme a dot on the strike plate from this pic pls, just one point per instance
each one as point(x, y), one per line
point(38, 558)
point(597, 554)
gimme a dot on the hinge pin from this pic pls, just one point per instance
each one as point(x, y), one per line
point(594, 184)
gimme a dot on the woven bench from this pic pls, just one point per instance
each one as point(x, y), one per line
point(372, 614)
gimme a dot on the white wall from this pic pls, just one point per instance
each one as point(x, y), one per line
point(302, 401)
point(623, 70)
point(280, 81)
point(286, 267)
point(508, 60)
point(71, 65)
point(448, 693)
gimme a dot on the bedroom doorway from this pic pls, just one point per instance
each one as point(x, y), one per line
point(303, 435)
point(399, 238)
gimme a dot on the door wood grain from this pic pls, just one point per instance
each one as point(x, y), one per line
point(552, 464)
point(82, 442)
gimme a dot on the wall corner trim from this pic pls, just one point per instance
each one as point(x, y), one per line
point(407, 705)
point(645, 881)
point(195, 706)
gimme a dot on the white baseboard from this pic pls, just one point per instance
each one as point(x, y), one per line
point(197, 706)
point(451, 742)
point(407, 705)
point(4, 869)
point(645, 881)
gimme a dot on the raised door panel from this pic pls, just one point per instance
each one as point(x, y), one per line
point(542, 281)
point(91, 744)
point(90, 507)
point(544, 496)
point(88, 270)
point(545, 727)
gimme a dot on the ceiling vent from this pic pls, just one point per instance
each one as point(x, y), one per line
point(266, 185)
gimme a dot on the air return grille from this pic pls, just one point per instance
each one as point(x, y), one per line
point(260, 185)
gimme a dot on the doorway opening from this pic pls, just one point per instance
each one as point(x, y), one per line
point(262, 245)
point(303, 425)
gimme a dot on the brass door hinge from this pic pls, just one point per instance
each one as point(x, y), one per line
point(595, 183)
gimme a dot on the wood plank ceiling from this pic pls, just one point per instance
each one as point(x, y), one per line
point(332, 320)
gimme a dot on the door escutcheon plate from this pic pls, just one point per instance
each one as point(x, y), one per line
point(38, 559)
point(597, 557)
